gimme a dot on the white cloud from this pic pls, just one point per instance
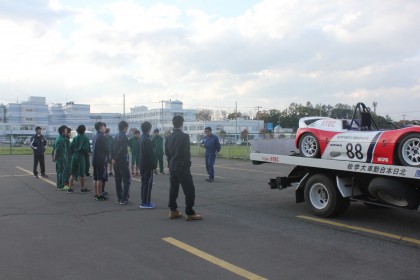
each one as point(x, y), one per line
point(274, 53)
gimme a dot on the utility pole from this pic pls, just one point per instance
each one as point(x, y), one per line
point(374, 106)
point(258, 117)
point(161, 116)
point(124, 106)
point(236, 120)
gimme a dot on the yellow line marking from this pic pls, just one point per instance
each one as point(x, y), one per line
point(362, 229)
point(232, 268)
point(40, 178)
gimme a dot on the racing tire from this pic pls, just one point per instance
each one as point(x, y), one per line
point(409, 150)
point(395, 193)
point(323, 197)
point(309, 146)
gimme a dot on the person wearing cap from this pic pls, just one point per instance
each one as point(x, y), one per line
point(212, 145)
point(157, 141)
point(38, 145)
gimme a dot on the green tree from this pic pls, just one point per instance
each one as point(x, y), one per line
point(204, 115)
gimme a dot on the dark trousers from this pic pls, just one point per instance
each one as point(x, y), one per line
point(59, 168)
point(210, 160)
point(159, 159)
point(41, 160)
point(146, 185)
point(184, 178)
point(122, 181)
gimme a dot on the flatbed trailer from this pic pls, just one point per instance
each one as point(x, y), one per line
point(328, 186)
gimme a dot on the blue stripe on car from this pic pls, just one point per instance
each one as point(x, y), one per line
point(372, 147)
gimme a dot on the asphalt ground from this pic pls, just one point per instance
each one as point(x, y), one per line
point(248, 231)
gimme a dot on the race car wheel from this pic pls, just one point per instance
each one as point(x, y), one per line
point(323, 197)
point(409, 150)
point(395, 193)
point(309, 146)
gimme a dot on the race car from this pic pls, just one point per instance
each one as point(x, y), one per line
point(358, 139)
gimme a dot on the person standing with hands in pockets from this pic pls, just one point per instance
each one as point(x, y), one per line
point(212, 145)
point(147, 165)
point(177, 150)
point(120, 160)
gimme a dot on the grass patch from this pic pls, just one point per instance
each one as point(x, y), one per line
point(24, 150)
point(227, 151)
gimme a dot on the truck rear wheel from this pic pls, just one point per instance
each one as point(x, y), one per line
point(323, 197)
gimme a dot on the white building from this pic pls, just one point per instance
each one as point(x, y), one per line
point(20, 119)
point(160, 118)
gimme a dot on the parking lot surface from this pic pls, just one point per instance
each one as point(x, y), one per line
point(248, 231)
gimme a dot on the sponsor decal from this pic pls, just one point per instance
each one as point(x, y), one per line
point(374, 169)
point(328, 123)
point(382, 159)
point(336, 145)
point(417, 173)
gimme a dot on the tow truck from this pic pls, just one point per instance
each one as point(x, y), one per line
point(328, 186)
point(329, 174)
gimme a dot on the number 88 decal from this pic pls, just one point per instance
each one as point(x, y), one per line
point(357, 151)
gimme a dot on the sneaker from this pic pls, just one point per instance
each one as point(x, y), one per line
point(123, 202)
point(163, 173)
point(44, 175)
point(36, 176)
point(70, 191)
point(66, 188)
point(175, 214)
point(118, 202)
point(148, 205)
point(85, 190)
point(61, 189)
point(210, 180)
point(100, 198)
point(194, 217)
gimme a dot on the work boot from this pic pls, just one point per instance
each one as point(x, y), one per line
point(175, 214)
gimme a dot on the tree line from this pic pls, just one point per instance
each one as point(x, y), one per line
point(289, 117)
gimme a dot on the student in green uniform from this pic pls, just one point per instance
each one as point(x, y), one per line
point(79, 148)
point(133, 143)
point(66, 175)
point(60, 155)
point(157, 142)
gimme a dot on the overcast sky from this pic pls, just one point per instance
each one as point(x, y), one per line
point(212, 53)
